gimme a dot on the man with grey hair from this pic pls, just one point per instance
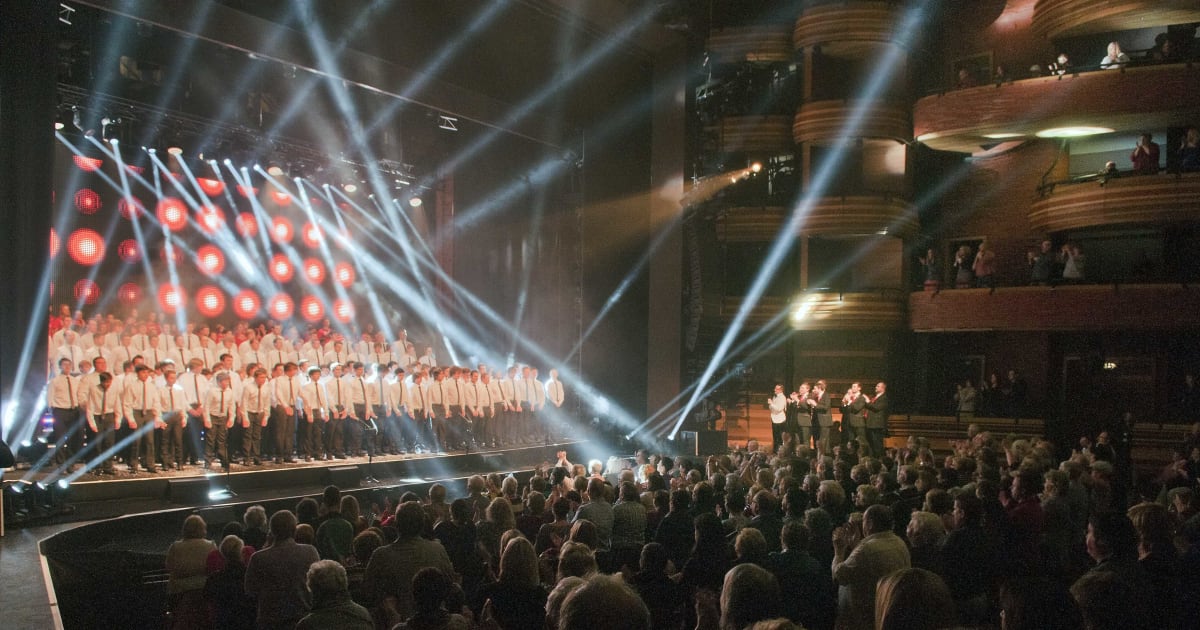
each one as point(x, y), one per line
point(605, 601)
point(857, 568)
point(331, 603)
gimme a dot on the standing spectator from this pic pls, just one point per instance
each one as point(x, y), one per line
point(392, 567)
point(913, 599)
point(1073, 263)
point(1115, 57)
point(431, 589)
point(335, 535)
point(186, 561)
point(517, 600)
point(676, 529)
point(1145, 156)
point(598, 511)
point(1042, 264)
point(225, 591)
point(1189, 151)
point(255, 532)
point(332, 608)
point(629, 527)
point(276, 575)
point(857, 569)
point(964, 400)
point(933, 270)
point(658, 591)
point(808, 597)
point(984, 266)
point(964, 277)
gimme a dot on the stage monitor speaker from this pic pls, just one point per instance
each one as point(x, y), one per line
point(711, 443)
point(188, 490)
point(344, 476)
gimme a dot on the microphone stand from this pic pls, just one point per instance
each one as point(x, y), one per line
point(228, 489)
point(370, 426)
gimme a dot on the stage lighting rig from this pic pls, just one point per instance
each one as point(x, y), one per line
point(449, 123)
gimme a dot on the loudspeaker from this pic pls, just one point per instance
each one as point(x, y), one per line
point(344, 476)
point(188, 490)
point(711, 443)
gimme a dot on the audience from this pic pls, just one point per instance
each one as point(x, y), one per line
point(332, 608)
point(276, 576)
point(186, 574)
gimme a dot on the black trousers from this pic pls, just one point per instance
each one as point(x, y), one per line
point(193, 438)
point(285, 433)
point(172, 439)
point(67, 434)
point(106, 437)
point(336, 438)
point(216, 441)
point(254, 433)
point(440, 430)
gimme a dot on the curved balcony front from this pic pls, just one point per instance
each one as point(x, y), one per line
point(765, 135)
point(1146, 199)
point(1129, 99)
point(1063, 308)
point(847, 29)
point(1068, 18)
point(831, 122)
point(768, 43)
point(875, 310)
point(859, 215)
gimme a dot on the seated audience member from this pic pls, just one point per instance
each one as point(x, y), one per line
point(335, 535)
point(603, 601)
point(432, 589)
point(1157, 554)
point(1145, 156)
point(1115, 58)
point(711, 556)
point(751, 547)
point(658, 591)
point(857, 568)
point(629, 527)
point(820, 529)
point(599, 512)
point(1107, 601)
point(392, 567)
point(254, 533)
point(808, 596)
point(276, 576)
point(913, 599)
point(576, 559)
point(364, 545)
point(517, 599)
point(533, 516)
point(676, 530)
point(1060, 65)
point(225, 591)
point(305, 535)
point(332, 606)
point(186, 563)
point(555, 599)
point(749, 594)
point(925, 534)
point(766, 518)
point(216, 561)
point(1037, 603)
point(460, 540)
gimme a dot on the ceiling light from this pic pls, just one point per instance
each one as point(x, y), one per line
point(175, 151)
point(415, 202)
point(274, 170)
point(350, 188)
point(1003, 135)
point(1072, 132)
point(756, 167)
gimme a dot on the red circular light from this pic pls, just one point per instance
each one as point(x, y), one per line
point(247, 225)
point(170, 253)
point(130, 207)
point(343, 311)
point(87, 164)
point(246, 304)
point(281, 268)
point(210, 301)
point(210, 218)
point(172, 213)
point(282, 230)
point(314, 270)
point(86, 246)
point(313, 235)
point(311, 309)
point(88, 201)
point(281, 306)
point(344, 272)
point(130, 293)
point(54, 243)
point(281, 197)
point(87, 292)
point(211, 187)
point(171, 298)
point(247, 192)
point(210, 260)
point(129, 251)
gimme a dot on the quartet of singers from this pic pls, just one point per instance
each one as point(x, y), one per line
point(807, 416)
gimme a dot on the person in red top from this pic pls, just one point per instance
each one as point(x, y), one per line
point(1025, 516)
point(1145, 156)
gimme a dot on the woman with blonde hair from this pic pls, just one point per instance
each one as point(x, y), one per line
point(517, 599)
point(187, 572)
point(913, 599)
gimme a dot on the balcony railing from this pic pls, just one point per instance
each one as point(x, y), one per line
point(1142, 200)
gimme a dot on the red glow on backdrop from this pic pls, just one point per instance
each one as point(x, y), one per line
point(311, 309)
point(282, 230)
point(172, 213)
point(246, 304)
point(211, 187)
point(130, 207)
point(313, 235)
point(129, 251)
point(86, 246)
point(130, 293)
point(87, 292)
point(54, 244)
point(281, 268)
point(344, 272)
point(87, 201)
point(171, 298)
point(210, 218)
point(210, 301)
point(343, 311)
point(282, 306)
point(87, 164)
point(314, 270)
point(172, 253)
point(210, 260)
point(247, 225)
point(281, 197)
point(135, 169)
point(247, 192)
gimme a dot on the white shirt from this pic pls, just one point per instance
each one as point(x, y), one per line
point(416, 398)
point(554, 392)
point(195, 386)
point(63, 392)
point(172, 398)
point(778, 406)
point(287, 390)
point(69, 351)
point(219, 403)
point(101, 402)
point(256, 398)
point(397, 395)
point(495, 392)
point(313, 397)
point(139, 395)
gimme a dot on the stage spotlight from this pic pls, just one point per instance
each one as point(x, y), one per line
point(281, 307)
point(311, 309)
point(274, 170)
point(54, 243)
point(130, 207)
point(350, 187)
point(87, 164)
point(172, 213)
point(87, 201)
point(175, 151)
point(282, 230)
point(130, 293)
point(130, 251)
point(314, 270)
point(210, 301)
point(210, 218)
point(210, 260)
point(756, 167)
point(281, 268)
point(247, 224)
point(171, 298)
point(344, 272)
point(211, 187)
point(343, 311)
point(86, 246)
point(313, 235)
point(415, 202)
point(32, 451)
point(247, 304)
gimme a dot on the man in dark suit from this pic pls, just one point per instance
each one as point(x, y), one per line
point(276, 575)
point(877, 415)
point(853, 418)
point(818, 400)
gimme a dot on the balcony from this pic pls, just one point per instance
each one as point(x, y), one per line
point(860, 215)
point(1063, 308)
point(766, 43)
point(1142, 200)
point(1129, 99)
point(757, 134)
point(1068, 18)
point(881, 310)
point(841, 29)
point(827, 122)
